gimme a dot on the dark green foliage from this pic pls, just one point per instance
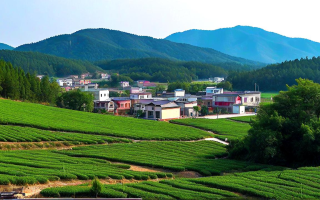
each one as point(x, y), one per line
point(35, 62)
point(162, 70)
point(276, 77)
point(204, 110)
point(250, 43)
point(76, 100)
point(286, 132)
point(96, 187)
point(99, 44)
point(17, 85)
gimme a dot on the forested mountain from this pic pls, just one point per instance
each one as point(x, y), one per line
point(5, 46)
point(103, 44)
point(162, 70)
point(275, 77)
point(250, 43)
point(35, 62)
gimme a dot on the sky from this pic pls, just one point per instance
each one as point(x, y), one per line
point(27, 21)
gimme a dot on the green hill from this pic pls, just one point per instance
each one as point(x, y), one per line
point(35, 62)
point(102, 44)
point(5, 46)
point(250, 43)
point(276, 77)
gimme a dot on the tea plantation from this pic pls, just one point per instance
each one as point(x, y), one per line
point(223, 128)
point(51, 118)
point(178, 156)
point(303, 183)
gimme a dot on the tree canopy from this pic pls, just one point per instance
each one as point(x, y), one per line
point(285, 132)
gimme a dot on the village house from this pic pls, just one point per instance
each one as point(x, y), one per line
point(145, 84)
point(122, 105)
point(85, 75)
point(73, 76)
point(124, 84)
point(218, 79)
point(162, 110)
point(236, 102)
point(64, 82)
point(40, 76)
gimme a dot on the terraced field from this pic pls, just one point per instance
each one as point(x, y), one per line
point(223, 127)
point(179, 156)
point(303, 183)
point(40, 166)
point(51, 118)
point(26, 134)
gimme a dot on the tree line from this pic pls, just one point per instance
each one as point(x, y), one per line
point(17, 85)
point(275, 77)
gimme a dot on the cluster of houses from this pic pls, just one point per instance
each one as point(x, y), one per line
point(174, 105)
point(164, 105)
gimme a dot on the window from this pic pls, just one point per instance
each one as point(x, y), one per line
point(245, 99)
point(105, 94)
point(257, 99)
point(101, 95)
point(251, 99)
point(157, 114)
point(121, 105)
point(152, 108)
point(150, 114)
point(209, 103)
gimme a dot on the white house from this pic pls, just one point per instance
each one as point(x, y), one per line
point(218, 79)
point(162, 110)
point(124, 84)
point(213, 90)
point(179, 92)
point(64, 82)
point(141, 95)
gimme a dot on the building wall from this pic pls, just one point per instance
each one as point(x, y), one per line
point(103, 95)
point(170, 113)
point(179, 93)
point(251, 99)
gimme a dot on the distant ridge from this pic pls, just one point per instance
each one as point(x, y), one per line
point(250, 43)
point(103, 44)
point(5, 46)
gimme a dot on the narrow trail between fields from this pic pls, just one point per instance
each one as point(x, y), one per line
point(209, 131)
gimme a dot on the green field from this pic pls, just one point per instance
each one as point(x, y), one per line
point(40, 166)
point(268, 94)
point(59, 119)
point(303, 183)
point(243, 119)
point(10, 133)
point(223, 128)
point(178, 156)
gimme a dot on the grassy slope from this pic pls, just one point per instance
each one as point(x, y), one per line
point(52, 118)
point(223, 127)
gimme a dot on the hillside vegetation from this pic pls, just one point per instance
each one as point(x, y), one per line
point(276, 77)
point(163, 70)
point(102, 44)
point(250, 43)
point(39, 63)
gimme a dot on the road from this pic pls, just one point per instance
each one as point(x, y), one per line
point(227, 116)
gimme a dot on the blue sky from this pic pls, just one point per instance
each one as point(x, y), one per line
point(26, 21)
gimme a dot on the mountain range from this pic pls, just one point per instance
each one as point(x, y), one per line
point(250, 43)
point(103, 44)
point(5, 46)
